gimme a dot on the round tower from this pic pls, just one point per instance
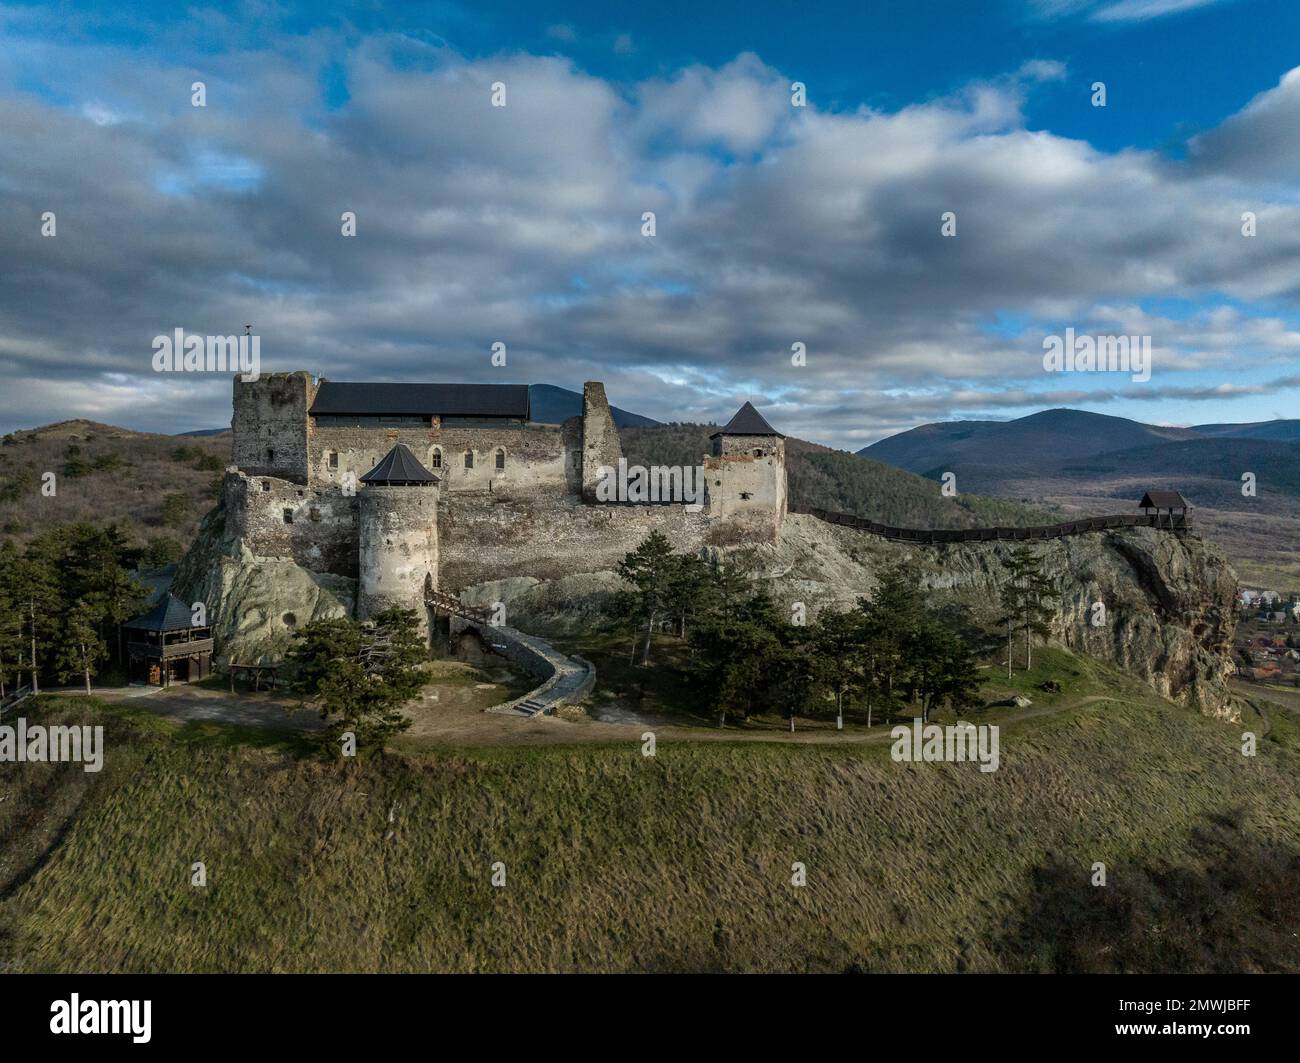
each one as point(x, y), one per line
point(398, 536)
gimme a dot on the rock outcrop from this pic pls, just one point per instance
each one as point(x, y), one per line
point(255, 603)
point(1168, 598)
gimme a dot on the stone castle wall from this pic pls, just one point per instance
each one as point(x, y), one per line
point(269, 424)
point(548, 539)
point(289, 496)
point(600, 443)
point(746, 481)
point(276, 518)
point(537, 458)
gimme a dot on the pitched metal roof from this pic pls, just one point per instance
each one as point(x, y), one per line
point(1162, 500)
point(399, 466)
point(422, 400)
point(170, 614)
point(747, 422)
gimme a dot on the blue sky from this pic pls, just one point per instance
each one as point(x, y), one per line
point(817, 225)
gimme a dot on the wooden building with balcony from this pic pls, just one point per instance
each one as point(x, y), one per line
point(164, 646)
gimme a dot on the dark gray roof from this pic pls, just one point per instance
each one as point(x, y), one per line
point(747, 422)
point(170, 614)
point(422, 400)
point(399, 466)
point(1162, 500)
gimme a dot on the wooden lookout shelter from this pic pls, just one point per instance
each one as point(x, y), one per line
point(1165, 506)
point(164, 646)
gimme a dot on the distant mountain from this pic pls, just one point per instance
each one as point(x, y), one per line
point(1044, 436)
point(1090, 463)
point(205, 432)
point(1279, 431)
point(552, 405)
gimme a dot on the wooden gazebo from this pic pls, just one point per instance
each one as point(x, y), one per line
point(164, 646)
point(1165, 505)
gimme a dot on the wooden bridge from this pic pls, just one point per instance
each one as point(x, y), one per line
point(1176, 522)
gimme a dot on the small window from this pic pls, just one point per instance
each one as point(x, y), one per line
point(501, 459)
point(266, 485)
point(288, 516)
point(270, 455)
point(469, 459)
point(334, 459)
point(758, 452)
point(436, 460)
point(314, 514)
point(746, 495)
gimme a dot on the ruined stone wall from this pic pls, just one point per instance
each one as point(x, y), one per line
point(600, 442)
point(269, 424)
point(321, 530)
point(398, 549)
point(548, 539)
point(747, 483)
point(538, 458)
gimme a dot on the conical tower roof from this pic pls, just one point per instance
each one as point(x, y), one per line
point(747, 422)
point(399, 467)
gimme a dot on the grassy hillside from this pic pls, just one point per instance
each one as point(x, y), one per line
point(619, 862)
point(837, 480)
point(152, 486)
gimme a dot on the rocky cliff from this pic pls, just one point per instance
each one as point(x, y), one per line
point(1168, 599)
point(254, 603)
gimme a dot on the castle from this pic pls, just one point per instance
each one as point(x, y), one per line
point(454, 485)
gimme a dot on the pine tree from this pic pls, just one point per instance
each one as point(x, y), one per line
point(649, 569)
point(837, 642)
point(360, 674)
point(1028, 602)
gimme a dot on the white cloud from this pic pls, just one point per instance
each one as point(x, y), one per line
point(522, 224)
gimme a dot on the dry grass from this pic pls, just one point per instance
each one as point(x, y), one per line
point(614, 861)
point(137, 473)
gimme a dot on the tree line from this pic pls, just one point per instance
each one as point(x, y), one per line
point(62, 601)
point(900, 648)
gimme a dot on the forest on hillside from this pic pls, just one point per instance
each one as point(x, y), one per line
point(837, 480)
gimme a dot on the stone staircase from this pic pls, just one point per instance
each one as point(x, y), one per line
point(564, 678)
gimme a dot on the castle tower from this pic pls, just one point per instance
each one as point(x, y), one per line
point(600, 442)
point(398, 535)
point(270, 425)
point(746, 472)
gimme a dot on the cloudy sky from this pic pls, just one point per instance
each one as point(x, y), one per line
point(775, 224)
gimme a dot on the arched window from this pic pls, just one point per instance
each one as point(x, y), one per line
point(501, 459)
point(469, 459)
point(435, 458)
